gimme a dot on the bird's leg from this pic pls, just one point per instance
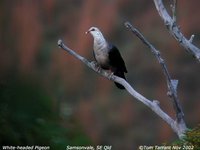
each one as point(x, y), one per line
point(96, 65)
point(111, 75)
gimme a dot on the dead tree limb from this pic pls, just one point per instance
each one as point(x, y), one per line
point(171, 84)
point(152, 104)
point(174, 30)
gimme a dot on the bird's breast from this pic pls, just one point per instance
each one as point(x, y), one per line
point(102, 58)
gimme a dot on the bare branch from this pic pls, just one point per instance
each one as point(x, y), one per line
point(153, 105)
point(174, 8)
point(191, 38)
point(174, 29)
point(172, 84)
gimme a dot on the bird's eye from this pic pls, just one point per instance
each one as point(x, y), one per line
point(93, 29)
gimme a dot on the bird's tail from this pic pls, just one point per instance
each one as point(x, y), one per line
point(119, 73)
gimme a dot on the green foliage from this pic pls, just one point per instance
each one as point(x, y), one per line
point(27, 117)
point(191, 139)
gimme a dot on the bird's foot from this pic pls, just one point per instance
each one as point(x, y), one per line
point(94, 63)
point(110, 75)
point(96, 66)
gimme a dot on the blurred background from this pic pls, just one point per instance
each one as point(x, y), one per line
point(47, 97)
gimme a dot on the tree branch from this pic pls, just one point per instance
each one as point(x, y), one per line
point(172, 84)
point(174, 8)
point(174, 29)
point(153, 105)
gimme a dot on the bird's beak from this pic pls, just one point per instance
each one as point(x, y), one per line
point(87, 32)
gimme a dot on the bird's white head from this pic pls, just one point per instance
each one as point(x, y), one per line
point(97, 35)
point(94, 31)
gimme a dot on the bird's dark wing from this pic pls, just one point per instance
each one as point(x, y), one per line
point(115, 59)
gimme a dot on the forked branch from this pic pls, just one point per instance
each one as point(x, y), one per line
point(172, 84)
point(174, 30)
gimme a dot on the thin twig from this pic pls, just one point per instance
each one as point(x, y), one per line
point(191, 38)
point(174, 10)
